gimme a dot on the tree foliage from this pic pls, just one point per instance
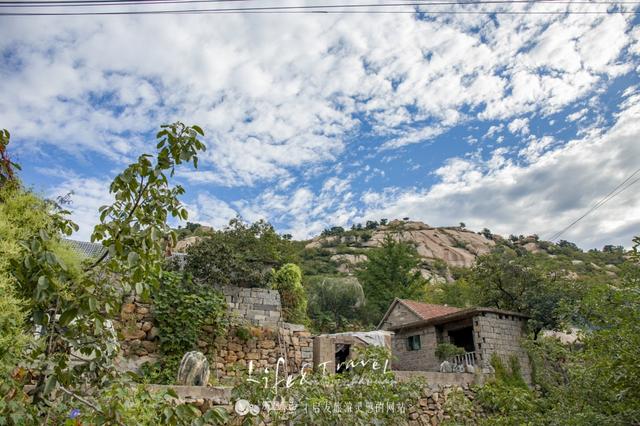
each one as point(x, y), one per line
point(7, 167)
point(288, 281)
point(334, 302)
point(71, 305)
point(506, 280)
point(390, 272)
point(241, 254)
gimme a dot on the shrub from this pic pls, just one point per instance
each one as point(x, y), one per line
point(182, 309)
point(288, 281)
point(446, 351)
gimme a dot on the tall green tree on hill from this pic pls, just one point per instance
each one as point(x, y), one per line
point(391, 271)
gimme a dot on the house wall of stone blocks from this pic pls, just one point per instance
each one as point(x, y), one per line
point(415, 360)
point(501, 334)
point(399, 315)
point(497, 333)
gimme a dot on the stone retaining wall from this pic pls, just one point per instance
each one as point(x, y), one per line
point(264, 337)
point(433, 407)
point(233, 352)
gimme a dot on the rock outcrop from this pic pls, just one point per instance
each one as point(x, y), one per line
point(454, 246)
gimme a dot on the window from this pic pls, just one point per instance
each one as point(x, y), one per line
point(413, 343)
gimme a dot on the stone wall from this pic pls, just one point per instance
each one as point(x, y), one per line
point(135, 323)
point(411, 360)
point(501, 334)
point(263, 339)
point(433, 407)
point(259, 306)
point(233, 352)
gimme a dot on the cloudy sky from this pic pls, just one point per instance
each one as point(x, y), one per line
point(514, 122)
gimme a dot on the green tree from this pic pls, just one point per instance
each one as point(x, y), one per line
point(390, 272)
point(334, 302)
point(241, 254)
point(288, 281)
point(71, 305)
point(505, 280)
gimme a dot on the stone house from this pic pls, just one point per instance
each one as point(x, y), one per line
point(482, 332)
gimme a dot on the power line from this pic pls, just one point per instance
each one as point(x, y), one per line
point(325, 9)
point(612, 194)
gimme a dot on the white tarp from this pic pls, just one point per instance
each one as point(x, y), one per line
point(373, 338)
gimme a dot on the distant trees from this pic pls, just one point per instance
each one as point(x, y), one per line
point(334, 230)
point(391, 271)
point(612, 249)
point(371, 224)
point(487, 234)
point(241, 254)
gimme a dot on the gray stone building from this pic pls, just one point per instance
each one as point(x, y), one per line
point(420, 327)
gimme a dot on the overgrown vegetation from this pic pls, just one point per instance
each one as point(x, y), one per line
point(445, 351)
point(183, 309)
point(288, 281)
point(241, 254)
point(335, 303)
point(70, 304)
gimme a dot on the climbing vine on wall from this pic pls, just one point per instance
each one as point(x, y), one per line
point(185, 312)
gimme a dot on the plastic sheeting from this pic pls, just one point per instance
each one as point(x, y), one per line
point(372, 338)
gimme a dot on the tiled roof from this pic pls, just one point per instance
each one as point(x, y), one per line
point(86, 249)
point(426, 310)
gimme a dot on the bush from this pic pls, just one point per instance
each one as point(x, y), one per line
point(241, 254)
point(182, 309)
point(446, 351)
point(288, 281)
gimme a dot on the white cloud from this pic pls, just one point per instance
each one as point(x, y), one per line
point(519, 126)
point(268, 109)
point(549, 190)
point(577, 115)
point(87, 196)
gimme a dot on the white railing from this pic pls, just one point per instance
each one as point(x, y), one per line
point(468, 358)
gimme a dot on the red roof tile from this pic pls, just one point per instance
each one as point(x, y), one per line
point(427, 311)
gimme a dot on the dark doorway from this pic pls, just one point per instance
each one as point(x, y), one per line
point(342, 354)
point(463, 338)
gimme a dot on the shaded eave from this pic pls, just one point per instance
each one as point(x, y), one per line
point(455, 316)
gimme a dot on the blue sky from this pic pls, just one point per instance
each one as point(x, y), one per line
point(518, 123)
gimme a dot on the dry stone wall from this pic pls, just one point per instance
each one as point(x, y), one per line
point(263, 339)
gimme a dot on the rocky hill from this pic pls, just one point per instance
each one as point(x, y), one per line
point(440, 247)
point(339, 251)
